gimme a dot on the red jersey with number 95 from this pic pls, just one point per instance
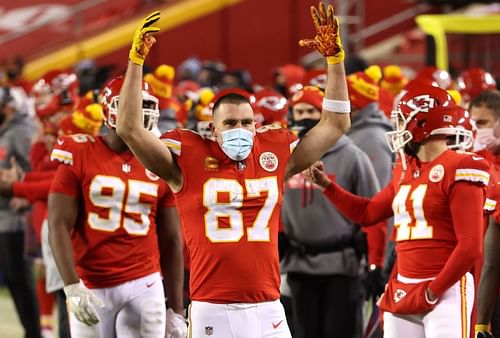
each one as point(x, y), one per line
point(230, 214)
point(114, 237)
point(423, 224)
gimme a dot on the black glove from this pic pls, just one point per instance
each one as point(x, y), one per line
point(484, 334)
point(374, 282)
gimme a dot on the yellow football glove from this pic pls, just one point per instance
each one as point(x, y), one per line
point(482, 331)
point(143, 40)
point(327, 39)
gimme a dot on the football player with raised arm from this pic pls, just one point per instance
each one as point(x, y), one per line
point(229, 190)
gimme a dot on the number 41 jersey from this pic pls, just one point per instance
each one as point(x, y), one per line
point(230, 215)
point(114, 238)
point(423, 224)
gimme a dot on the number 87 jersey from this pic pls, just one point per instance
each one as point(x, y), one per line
point(114, 237)
point(423, 225)
point(230, 215)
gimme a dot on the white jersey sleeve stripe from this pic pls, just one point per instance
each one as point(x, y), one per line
point(489, 204)
point(173, 145)
point(293, 145)
point(472, 175)
point(62, 156)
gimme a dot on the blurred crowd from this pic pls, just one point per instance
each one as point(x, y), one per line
point(330, 267)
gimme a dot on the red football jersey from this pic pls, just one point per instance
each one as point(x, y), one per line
point(230, 214)
point(491, 206)
point(114, 238)
point(423, 225)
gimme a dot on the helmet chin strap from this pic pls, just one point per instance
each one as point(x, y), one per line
point(410, 149)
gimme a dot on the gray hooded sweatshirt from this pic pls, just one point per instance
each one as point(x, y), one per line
point(15, 140)
point(316, 222)
point(367, 131)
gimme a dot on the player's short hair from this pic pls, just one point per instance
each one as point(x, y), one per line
point(231, 98)
point(489, 99)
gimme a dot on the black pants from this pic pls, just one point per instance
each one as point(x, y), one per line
point(62, 315)
point(19, 279)
point(326, 306)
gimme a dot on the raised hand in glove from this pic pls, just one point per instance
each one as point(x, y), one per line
point(482, 331)
point(83, 303)
point(143, 40)
point(176, 325)
point(327, 40)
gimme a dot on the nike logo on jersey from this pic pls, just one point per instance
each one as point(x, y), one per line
point(150, 284)
point(477, 158)
point(275, 325)
point(60, 142)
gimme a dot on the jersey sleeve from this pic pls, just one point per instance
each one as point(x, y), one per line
point(37, 154)
point(473, 169)
point(33, 191)
point(34, 176)
point(68, 152)
point(468, 231)
point(63, 151)
point(361, 210)
point(167, 199)
point(65, 182)
point(172, 140)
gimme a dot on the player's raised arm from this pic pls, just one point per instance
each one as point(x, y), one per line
point(335, 118)
point(152, 153)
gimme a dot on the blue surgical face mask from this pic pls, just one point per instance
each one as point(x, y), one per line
point(237, 143)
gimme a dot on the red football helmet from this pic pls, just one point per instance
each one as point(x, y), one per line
point(441, 77)
point(465, 132)
point(473, 81)
point(54, 91)
point(110, 96)
point(422, 112)
point(269, 107)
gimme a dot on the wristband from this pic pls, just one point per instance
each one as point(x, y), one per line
point(343, 107)
point(482, 328)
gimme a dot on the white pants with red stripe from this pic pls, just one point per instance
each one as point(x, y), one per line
point(238, 320)
point(133, 309)
point(449, 319)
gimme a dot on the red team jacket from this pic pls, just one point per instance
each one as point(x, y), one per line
point(114, 238)
point(230, 215)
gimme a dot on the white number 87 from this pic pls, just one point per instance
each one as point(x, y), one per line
point(259, 231)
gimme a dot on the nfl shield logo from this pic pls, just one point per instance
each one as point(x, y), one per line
point(126, 168)
point(209, 330)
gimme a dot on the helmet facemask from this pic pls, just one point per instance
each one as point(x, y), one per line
point(462, 140)
point(150, 111)
point(397, 139)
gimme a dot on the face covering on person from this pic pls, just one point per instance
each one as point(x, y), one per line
point(237, 143)
point(301, 127)
point(485, 139)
